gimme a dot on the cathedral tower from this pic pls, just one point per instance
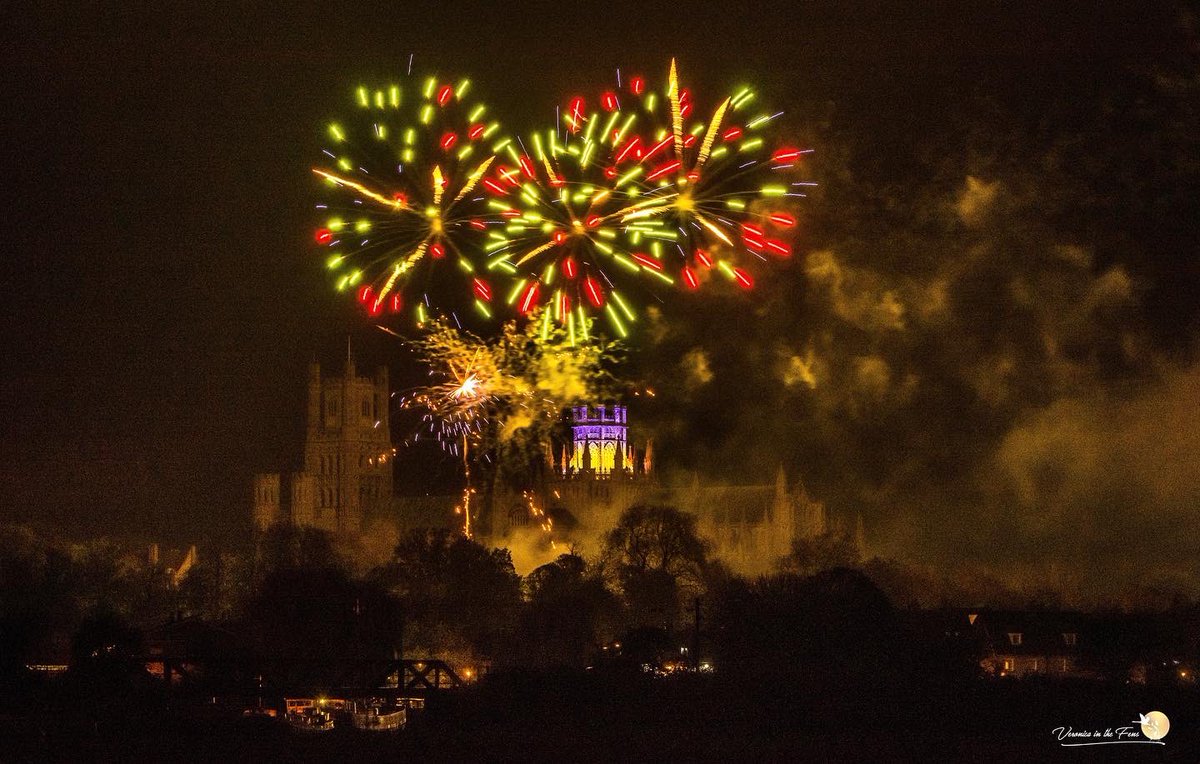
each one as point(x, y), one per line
point(600, 443)
point(347, 450)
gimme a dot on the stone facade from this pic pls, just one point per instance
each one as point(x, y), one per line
point(347, 473)
point(588, 483)
point(591, 480)
point(750, 527)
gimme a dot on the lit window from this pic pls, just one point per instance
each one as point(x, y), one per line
point(1014, 638)
point(1070, 638)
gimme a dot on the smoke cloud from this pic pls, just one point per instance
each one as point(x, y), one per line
point(977, 366)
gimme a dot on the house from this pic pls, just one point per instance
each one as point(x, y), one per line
point(1031, 643)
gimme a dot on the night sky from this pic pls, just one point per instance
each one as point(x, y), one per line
point(984, 343)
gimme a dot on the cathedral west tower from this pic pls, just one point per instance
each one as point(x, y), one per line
point(347, 474)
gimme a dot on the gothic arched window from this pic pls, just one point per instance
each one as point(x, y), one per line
point(518, 516)
point(610, 457)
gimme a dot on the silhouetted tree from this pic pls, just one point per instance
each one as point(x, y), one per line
point(26, 607)
point(824, 552)
point(556, 578)
point(833, 630)
point(48, 587)
point(458, 596)
point(653, 598)
point(657, 557)
point(907, 585)
point(217, 587)
point(570, 613)
point(283, 547)
point(308, 622)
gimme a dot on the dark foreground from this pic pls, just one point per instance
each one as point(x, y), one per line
point(634, 718)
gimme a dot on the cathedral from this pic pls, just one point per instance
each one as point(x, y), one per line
point(588, 482)
point(347, 473)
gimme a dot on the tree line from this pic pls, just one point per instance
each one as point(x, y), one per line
point(654, 595)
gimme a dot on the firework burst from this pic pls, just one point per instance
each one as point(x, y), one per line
point(562, 235)
point(458, 407)
point(637, 190)
point(402, 219)
point(709, 195)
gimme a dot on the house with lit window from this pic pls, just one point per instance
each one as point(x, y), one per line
point(1033, 643)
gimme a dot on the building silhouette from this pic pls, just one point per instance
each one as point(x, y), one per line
point(586, 483)
point(347, 473)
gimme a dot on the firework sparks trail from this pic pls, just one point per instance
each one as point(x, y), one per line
point(481, 393)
